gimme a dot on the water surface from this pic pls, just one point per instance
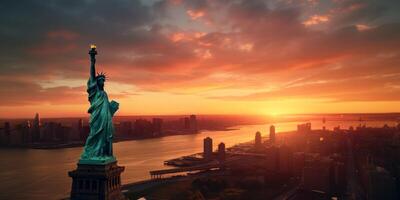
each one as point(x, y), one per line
point(42, 174)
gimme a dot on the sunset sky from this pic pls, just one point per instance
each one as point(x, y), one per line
point(204, 57)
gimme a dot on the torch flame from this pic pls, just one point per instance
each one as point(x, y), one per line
point(92, 46)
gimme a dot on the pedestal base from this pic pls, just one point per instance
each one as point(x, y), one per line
point(100, 182)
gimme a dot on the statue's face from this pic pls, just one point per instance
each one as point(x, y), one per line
point(100, 82)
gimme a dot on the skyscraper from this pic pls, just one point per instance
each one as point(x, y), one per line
point(6, 137)
point(186, 123)
point(157, 126)
point(221, 152)
point(207, 148)
point(81, 130)
point(257, 141)
point(36, 128)
point(193, 123)
point(26, 131)
point(272, 134)
point(272, 158)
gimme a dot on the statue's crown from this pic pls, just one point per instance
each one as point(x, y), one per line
point(101, 75)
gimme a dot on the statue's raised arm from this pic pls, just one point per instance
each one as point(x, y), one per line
point(98, 146)
point(92, 54)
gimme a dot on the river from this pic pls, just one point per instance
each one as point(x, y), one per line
point(42, 174)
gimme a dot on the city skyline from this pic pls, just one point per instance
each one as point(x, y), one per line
point(173, 57)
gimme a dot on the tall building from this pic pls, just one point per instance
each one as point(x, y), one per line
point(272, 134)
point(36, 128)
point(380, 184)
point(55, 132)
point(16, 136)
point(257, 141)
point(304, 128)
point(6, 136)
point(157, 126)
point(339, 176)
point(26, 131)
point(190, 123)
point(207, 148)
point(221, 152)
point(126, 128)
point(143, 128)
point(285, 160)
point(82, 136)
point(193, 123)
point(317, 175)
point(298, 163)
point(272, 158)
point(186, 122)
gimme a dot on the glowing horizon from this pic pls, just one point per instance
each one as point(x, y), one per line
point(167, 57)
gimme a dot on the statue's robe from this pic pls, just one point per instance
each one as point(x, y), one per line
point(99, 143)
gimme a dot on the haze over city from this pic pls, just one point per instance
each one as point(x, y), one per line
point(207, 57)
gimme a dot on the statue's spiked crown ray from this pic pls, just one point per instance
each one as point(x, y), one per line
point(102, 75)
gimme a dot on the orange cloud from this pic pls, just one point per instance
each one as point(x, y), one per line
point(362, 27)
point(316, 19)
point(195, 14)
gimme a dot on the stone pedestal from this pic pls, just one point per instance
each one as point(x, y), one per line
point(97, 181)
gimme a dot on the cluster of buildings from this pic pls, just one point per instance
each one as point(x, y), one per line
point(377, 159)
point(30, 133)
point(314, 159)
point(140, 128)
point(357, 162)
point(190, 123)
point(53, 134)
point(155, 127)
point(208, 153)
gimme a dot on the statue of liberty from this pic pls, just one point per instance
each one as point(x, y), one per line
point(98, 147)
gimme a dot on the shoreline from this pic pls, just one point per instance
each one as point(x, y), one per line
point(81, 144)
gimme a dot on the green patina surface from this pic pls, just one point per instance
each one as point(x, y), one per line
point(98, 147)
point(98, 161)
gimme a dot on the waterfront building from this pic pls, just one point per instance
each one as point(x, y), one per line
point(317, 175)
point(26, 131)
point(6, 134)
point(186, 121)
point(83, 130)
point(53, 132)
point(193, 124)
point(304, 128)
point(298, 163)
point(190, 123)
point(157, 126)
point(257, 141)
point(74, 134)
point(207, 148)
point(125, 128)
point(36, 128)
point(285, 160)
point(143, 128)
point(221, 152)
point(272, 134)
point(272, 158)
point(339, 177)
point(16, 136)
point(380, 184)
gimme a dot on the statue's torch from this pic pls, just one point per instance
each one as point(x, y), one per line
point(92, 51)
